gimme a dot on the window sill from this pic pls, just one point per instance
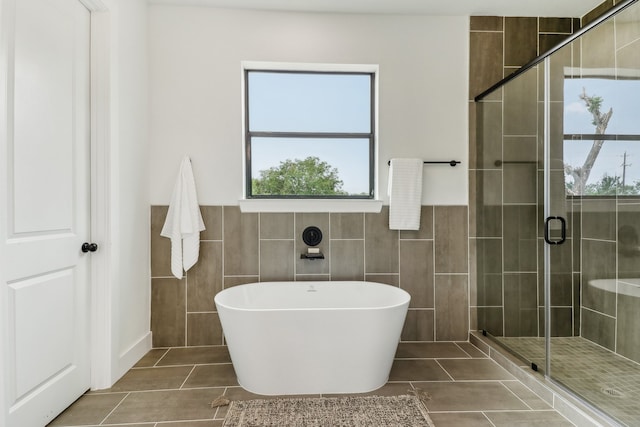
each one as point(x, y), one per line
point(309, 205)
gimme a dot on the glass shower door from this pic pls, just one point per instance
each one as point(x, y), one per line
point(510, 208)
point(595, 140)
point(560, 249)
point(557, 187)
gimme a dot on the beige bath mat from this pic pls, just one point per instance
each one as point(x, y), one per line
point(356, 411)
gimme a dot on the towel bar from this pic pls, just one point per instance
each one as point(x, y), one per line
point(451, 163)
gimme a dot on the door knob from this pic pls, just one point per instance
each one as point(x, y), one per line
point(89, 247)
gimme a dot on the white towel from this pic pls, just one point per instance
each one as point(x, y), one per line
point(184, 221)
point(405, 194)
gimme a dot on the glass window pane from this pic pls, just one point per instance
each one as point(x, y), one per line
point(310, 166)
point(614, 94)
point(615, 169)
point(309, 102)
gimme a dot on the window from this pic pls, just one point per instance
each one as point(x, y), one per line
point(601, 136)
point(308, 133)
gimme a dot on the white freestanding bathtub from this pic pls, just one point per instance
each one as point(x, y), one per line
point(312, 337)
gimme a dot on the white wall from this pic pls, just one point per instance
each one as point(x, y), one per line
point(133, 172)
point(195, 76)
point(129, 253)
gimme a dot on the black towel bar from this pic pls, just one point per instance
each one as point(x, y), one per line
point(451, 163)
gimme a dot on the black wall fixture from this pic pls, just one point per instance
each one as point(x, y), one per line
point(312, 236)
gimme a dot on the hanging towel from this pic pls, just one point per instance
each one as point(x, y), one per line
point(184, 221)
point(405, 194)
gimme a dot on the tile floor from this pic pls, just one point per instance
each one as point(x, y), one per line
point(601, 377)
point(173, 388)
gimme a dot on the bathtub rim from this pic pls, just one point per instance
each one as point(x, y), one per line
point(628, 287)
point(406, 300)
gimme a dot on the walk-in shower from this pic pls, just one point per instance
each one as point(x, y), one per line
point(558, 213)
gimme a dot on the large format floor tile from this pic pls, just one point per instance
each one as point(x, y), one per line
point(433, 350)
point(476, 369)
point(204, 423)
point(151, 358)
point(460, 419)
point(89, 409)
point(417, 370)
point(195, 355)
point(174, 387)
point(220, 375)
point(528, 419)
point(170, 405)
point(152, 379)
point(470, 396)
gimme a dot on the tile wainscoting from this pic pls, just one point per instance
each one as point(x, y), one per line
point(432, 264)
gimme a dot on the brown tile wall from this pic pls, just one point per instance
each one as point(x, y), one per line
point(599, 10)
point(503, 173)
point(431, 264)
point(501, 45)
point(504, 279)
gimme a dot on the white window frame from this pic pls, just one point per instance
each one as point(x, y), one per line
point(303, 204)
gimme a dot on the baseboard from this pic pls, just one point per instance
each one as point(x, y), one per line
point(132, 355)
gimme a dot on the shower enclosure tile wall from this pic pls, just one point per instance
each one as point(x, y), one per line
point(503, 241)
point(504, 176)
point(569, 309)
point(431, 264)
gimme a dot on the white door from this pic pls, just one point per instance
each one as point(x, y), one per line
point(44, 207)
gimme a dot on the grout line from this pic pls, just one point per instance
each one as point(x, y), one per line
point(219, 387)
point(161, 357)
point(462, 349)
point(436, 357)
point(240, 275)
point(156, 390)
point(186, 309)
point(222, 251)
point(182, 365)
point(452, 274)
point(428, 239)
point(518, 397)
point(224, 393)
point(277, 240)
point(455, 382)
point(161, 423)
point(488, 419)
point(446, 372)
point(187, 377)
point(259, 242)
point(486, 31)
point(433, 270)
point(113, 410)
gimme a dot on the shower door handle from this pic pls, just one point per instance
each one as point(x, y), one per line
point(563, 230)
